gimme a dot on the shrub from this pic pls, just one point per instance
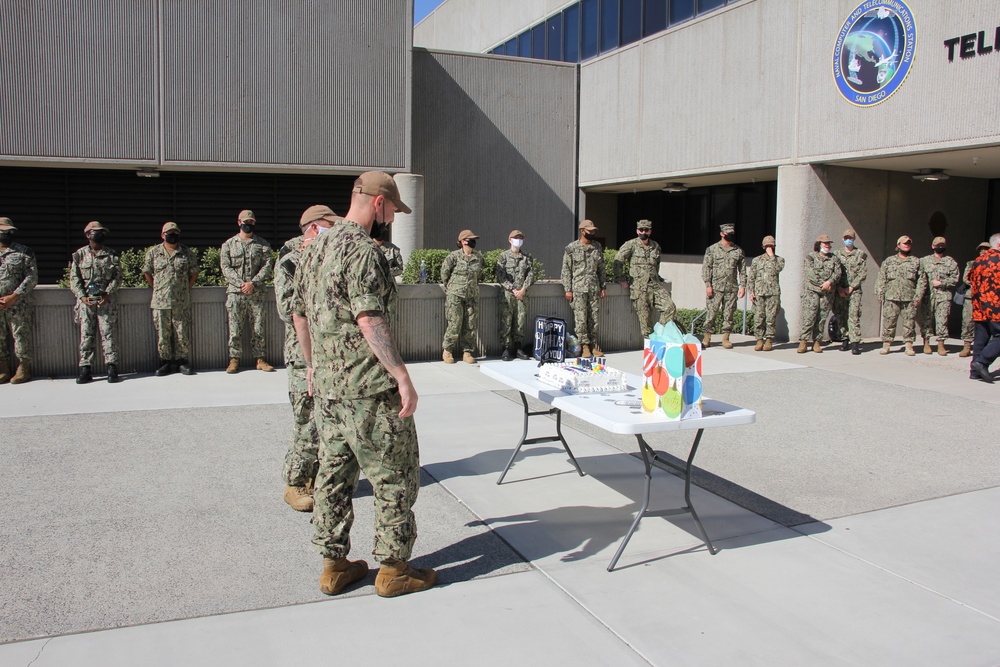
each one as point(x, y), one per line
point(685, 316)
point(609, 264)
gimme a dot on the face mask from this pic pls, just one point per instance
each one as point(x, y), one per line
point(320, 229)
point(6, 237)
point(97, 237)
point(246, 229)
point(940, 251)
point(849, 243)
point(643, 236)
point(823, 249)
point(172, 237)
point(589, 236)
point(905, 252)
point(730, 237)
point(471, 243)
point(516, 243)
point(378, 228)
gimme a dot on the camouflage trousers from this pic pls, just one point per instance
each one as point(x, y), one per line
point(765, 314)
point(94, 320)
point(893, 311)
point(585, 308)
point(513, 319)
point(239, 309)
point(461, 317)
point(648, 297)
point(933, 315)
point(18, 321)
point(302, 458)
point(726, 301)
point(968, 326)
point(815, 307)
point(366, 435)
point(848, 311)
point(173, 332)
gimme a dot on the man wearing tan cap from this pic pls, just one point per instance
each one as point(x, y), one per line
point(847, 299)
point(724, 271)
point(18, 276)
point(171, 268)
point(765, 293)
point(364, 398)
point(302, 458)
point(461, 272)
point(646, 288)
point(514, 274)
point(822, 273)
point(584, 279)
point(939, 277)
point(895, 290)
point(95, 276)
point(246, 266)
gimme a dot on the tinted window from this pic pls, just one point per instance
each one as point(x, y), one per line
point(709, 5)
point(524, 44)
point(655, 17)
point(511, 47)
point(538, 41)
point(631, 21)
point(609, 25)
point(571, 34)
point(553, 38)
point(588, 29)
point(681, 10)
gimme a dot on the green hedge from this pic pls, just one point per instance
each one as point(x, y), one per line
point(435, 257)
point(685, 316)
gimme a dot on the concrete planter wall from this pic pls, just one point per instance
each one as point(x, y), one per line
point(418, 326)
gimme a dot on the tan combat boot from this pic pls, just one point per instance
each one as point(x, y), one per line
point(264, 366)
point(447, 357)
point(299, 498)
point(759, 346)
point(966, 349)
point(942, 350)
point(927, 346)
point(339, 573)
point(468, 358)
point(395, 577)
point(22, 375)
point(585, 351)
point(768, 344)
point(725, 342)
point(4, 370)
point(885, 348)
point(596, 351)
point(706, 340)
point(803, 347)
point(817, 346)
point(234, 365)
point(909, 349)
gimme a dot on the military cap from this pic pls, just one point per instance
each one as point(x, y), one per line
point(768, 240)
point(727, 228)
point(849, 234)
point(516, 234)
point(466, 234)
point(315, 212)
point(938, 240)
point(824, 238)
point(587, 225)
point(984, 244)
point(170, 227)
point(247, 214)
point(94, 225)
point(7, 223)
point(903, 239)
point(375, 183)
point(644, 224)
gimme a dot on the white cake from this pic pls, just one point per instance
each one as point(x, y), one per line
point(583, 376)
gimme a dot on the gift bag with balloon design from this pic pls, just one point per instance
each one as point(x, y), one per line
point(671, 367)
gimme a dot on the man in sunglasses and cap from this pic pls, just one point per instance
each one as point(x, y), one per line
point(171, 269)
point(95, 276)
point(584, 279)
point(938, 278)
point(245, 260)
point(461, 272)
point(895, 289)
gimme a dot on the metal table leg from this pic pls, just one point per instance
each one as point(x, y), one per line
point(525, 440)
point(650, 459)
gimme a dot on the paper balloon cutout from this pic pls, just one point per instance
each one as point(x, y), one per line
point(674, 361)
point(648, 397)
point(671, 402)
point(692, 390)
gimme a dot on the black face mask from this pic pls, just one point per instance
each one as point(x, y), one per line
point(246, 229)
point(378, 229)
point(172, 237)
point(940, 251)
point(97, 237)
point(643, 235)
point(6, 237)
point(471, 243)
point(589, 236)
point(904, 253)
point(730, 237)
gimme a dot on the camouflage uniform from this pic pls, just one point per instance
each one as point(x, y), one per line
point(243, 262)
point(724, 270)
point(302, 458)
point(341, 275)
point(816, 303)
point(766, 290)
point(583, 274)
point(853, 272)
point(102, 270)
point(394, 257)
point(968, 328)
point(895, 288)
point(171, 300)
point(646, 288)
point(460, 274)
point(513, 272)
point(18, 275)
point(934, 311)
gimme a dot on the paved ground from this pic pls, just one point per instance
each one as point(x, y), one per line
point(857, 521)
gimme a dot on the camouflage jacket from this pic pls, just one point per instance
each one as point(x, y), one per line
point(897, 278)
point(245, 262)
point(583, 267)
point(172, 274)
point(461, 273)
point(341, 275)
point(394, 257)
point(18, 271)
point(284, 295)
point(819, 268)
point(763, 275)
point(724, 269)
point(644, 263)
point(853, 268)
point(98, 272)
point(514, 271)
point(933, 268)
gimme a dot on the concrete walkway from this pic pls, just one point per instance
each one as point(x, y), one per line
point(857, 523)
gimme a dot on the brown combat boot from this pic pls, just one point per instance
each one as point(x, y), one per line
point(942, 350)
point(234, 365)
point(585, 351)
point(768, 344)
point(909, 349)
point(22, 375)
point(817, 346)
point(339, 573)
point(885, 348)
point(803, 347)
point(264, 366)
point(725, 342)
point(4, 371)
point(759, 346)
point(596, 351)
point(966, 349)
point(706, 341)
point(468, 358)
point(927, 346)
point(299, 498)
point(447, 357)
point(395, 577)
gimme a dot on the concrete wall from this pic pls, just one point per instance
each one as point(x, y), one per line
point(478, 25)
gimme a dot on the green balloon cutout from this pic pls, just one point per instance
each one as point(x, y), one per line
point(671, 402)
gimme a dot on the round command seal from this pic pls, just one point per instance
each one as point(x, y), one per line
point(874, 51)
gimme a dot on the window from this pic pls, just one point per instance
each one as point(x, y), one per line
point(681, 10)
point(553, 38)
point(654, 17)
point(571, 34)
point(709, 5)
point(524, 44)
point(510, 48)
point(588, 28)
point(609, 24)
point(631, 21)
point(538, 41)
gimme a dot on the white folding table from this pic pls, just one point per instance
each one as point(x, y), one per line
point(617, 413)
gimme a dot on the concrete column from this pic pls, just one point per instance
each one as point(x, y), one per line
point(408, 229)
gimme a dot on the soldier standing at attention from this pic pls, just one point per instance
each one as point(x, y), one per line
point(302, 458)
point(364, 397)
point(245, 260)
point(460, 273)
point(94, 278)
point(895, 289)
point(822, 274)
point(725, 274)
point(18, 276)
point(646, 288)
point(171, 269)
point(583, 278)
point(392, 255)
point(847, 299)
point(514, 274)
point(765, 293)
point(939, 276)
point(968, 328)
